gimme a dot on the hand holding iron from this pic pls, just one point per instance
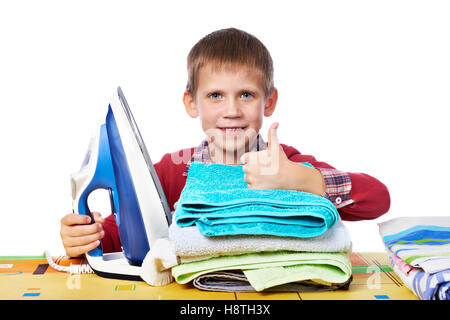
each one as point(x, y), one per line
point(78, 235)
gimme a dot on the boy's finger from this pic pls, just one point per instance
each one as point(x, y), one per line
point(83, 230)
point(79, 250)
point(74, 219)
point(98, 217)
point(244, 158)
point(84, 240)
point(272, 137)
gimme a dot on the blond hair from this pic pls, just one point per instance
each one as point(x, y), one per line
point(230, 47)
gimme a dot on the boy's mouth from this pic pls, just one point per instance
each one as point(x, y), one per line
point(232, 131)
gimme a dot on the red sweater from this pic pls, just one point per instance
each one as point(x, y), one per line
point(370, 197)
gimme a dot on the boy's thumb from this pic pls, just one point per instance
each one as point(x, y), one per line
point(243, 158)
point(272, 136)
point(98, 217)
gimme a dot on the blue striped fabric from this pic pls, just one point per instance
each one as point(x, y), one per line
point(420, 242)
point(426, 286)
point(435, 234)
point(432, 286)
point(424, 243)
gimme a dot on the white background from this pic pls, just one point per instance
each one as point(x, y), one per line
point(363, 85)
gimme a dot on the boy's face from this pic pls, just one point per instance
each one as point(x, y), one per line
point(230, 102)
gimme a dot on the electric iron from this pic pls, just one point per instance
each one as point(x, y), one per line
point(117, 160)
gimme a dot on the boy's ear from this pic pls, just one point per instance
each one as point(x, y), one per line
point(271, 103)
point(189, 104)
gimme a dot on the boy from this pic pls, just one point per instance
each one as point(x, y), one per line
point(230, 88)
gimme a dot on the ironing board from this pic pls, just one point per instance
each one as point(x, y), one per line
point(30, 278)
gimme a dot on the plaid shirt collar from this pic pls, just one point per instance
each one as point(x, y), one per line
point(201, 153)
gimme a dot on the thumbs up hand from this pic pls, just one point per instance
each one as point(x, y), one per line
point(271, 169)
point(266, 169)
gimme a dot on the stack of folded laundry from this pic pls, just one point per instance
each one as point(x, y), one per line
point(419, 252)
point(231, 238)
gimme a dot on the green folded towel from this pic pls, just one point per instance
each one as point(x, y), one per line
point(267, 269)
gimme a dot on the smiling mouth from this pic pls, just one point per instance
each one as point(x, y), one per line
point(232, 131)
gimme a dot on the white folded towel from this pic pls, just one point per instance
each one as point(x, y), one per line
point(189, 244)
point(156, 267)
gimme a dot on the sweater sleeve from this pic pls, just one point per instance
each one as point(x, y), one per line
point(111, 240)
point(357, 196)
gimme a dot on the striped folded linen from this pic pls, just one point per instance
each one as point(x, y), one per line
point(419, 252)
point(402, 265)
point(422, 242)
point(426, 286)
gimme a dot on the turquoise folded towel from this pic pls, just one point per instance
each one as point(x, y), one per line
point(217, 200)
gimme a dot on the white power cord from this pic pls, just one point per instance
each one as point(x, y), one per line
point(72, 269)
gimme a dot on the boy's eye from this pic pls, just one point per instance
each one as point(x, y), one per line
point(246, 95)
point(215, 95)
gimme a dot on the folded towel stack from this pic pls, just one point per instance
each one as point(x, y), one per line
point(419, 252)
point(231, 238)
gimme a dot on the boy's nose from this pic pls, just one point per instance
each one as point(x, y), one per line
point(232, 109)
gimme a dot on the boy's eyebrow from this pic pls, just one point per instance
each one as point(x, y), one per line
point(212, 90)
point(243, 89)
point(251, 90)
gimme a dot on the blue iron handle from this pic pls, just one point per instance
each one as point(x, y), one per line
point(103, 179)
